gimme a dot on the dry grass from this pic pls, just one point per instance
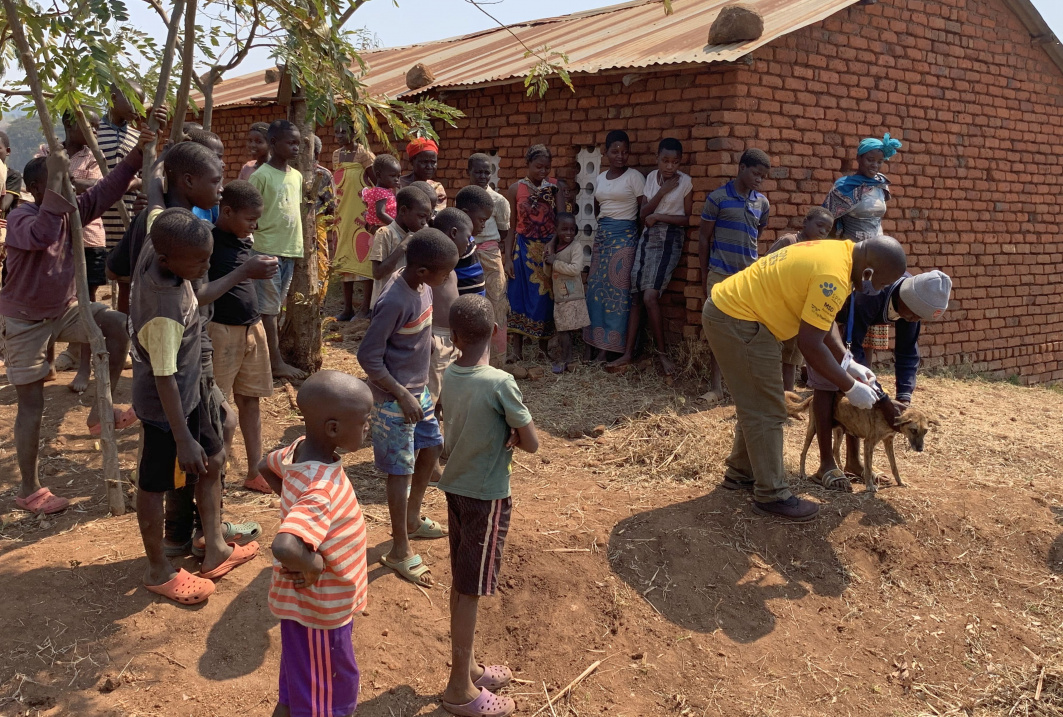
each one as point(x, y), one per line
point(574, 403)
point(664, 446)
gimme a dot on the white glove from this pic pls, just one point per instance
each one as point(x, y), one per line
point(861, 395)
point(860, 372)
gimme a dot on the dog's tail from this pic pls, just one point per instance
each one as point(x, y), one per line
point(796, 405)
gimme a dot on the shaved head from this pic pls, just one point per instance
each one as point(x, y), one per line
point(880, 259)
point(331, 395)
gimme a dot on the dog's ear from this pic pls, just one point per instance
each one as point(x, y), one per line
point(933, 422)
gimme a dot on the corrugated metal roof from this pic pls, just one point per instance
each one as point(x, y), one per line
point(634, 34)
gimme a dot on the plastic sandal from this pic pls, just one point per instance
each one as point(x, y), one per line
point(834, 479)
point(429, 530)
point(412, 569)
point(487, 704)
point(43, 502)
point(494, 678)
point(185, 588)
point(240, 555)
point(177, 551)
point(122, 420)
point(239, 533)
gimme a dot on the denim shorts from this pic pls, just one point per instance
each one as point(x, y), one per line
point(396, 442)
point(272, 293)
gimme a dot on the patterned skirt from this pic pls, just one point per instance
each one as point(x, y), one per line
point(609, 285)
point(531, 305)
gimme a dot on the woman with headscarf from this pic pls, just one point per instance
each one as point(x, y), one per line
point(424, 157)
point(858, 201)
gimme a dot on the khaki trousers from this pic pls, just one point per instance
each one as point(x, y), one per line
point(490, 256)
point(749, 357)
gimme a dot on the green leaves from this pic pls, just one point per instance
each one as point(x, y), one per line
point(550, 62)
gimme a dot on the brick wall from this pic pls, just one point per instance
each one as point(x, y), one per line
point(975, 188)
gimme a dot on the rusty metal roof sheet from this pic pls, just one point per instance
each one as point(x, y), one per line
point(630, 35)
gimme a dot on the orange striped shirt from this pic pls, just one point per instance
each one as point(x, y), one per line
point(318, 506)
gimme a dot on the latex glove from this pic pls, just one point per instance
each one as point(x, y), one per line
point(860, 372)
point(861, 395)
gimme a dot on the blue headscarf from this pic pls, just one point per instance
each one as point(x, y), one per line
point(887, 144)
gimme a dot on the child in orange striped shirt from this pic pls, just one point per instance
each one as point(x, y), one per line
point(319, 572)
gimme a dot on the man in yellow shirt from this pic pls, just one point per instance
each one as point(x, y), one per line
point(796, 291)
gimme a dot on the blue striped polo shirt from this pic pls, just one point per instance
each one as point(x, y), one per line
point(738, 221)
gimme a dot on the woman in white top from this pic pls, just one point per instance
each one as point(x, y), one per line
point(618, 196)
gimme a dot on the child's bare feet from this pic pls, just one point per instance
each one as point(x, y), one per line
point(284, 371)
point(80, 384)
point(618, 365)
point(667, 365)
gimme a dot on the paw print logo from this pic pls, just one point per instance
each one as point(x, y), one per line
point(828, 288)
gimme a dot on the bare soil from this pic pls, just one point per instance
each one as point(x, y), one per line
point(940, 598)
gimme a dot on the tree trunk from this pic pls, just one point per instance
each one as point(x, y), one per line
point(111, 473)
point(164, 82)
point(187, 60)
point(208, 101)
point(300, 337)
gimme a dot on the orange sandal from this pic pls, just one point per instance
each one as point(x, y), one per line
point(122, 420)
point(184, 588)
point(240, 555)
point(258, 483)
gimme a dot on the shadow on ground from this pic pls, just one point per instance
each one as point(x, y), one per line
point(712, 564)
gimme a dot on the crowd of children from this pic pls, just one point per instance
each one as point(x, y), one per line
point(205, 270)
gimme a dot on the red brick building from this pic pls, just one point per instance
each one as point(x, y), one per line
point(974, 89)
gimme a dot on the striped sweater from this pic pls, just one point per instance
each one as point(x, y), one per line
point(318, 506)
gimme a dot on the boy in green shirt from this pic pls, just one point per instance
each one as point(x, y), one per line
point(279, 233)
point(485, 420)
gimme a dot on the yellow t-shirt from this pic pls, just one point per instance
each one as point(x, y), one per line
point(807, 282)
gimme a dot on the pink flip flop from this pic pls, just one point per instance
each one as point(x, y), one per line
point(494, 678)
point(43, 502)
point(487, 704)
point(184, 588)
point(241, 554)
point(122, 420)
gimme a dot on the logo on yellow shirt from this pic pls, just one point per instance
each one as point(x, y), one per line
point(828, 288)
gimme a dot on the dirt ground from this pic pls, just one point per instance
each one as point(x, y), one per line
point(943, 597)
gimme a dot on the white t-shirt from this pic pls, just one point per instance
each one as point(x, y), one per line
point(673, 202)
point(619, 198)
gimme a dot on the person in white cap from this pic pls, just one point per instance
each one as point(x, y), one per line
point(906, 304)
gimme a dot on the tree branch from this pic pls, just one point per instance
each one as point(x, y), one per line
point(349, 13)
point(180, 47)
point(187, 62)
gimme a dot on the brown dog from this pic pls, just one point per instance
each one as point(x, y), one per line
point(870, 426)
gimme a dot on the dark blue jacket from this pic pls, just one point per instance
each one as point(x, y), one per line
point(871, 310)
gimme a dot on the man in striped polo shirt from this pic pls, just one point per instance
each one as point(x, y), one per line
point(731, 222)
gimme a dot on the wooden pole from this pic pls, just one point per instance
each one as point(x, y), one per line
point(164, 82)
point(187, 60)
point(111, 473)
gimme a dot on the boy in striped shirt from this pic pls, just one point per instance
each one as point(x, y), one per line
point(319, 572)
point(731, 222)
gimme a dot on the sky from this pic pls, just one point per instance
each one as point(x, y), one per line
point(416, 21)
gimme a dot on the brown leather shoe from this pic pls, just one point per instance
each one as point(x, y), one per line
point(793, 508)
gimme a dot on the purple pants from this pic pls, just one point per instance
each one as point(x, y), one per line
point(319, 677)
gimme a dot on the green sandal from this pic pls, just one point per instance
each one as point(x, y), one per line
point(834, 479)
point(412, 569)
point(428, 530)
point(239, 533)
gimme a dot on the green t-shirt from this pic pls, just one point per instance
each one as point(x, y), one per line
point(480, 404)
point(280, 229)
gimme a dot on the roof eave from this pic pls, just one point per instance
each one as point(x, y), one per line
point(1039, 30)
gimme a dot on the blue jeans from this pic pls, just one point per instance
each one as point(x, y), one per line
point(272, 293)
